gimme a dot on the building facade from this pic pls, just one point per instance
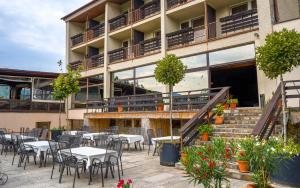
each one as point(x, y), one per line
point(118, 42)
point(26, 100)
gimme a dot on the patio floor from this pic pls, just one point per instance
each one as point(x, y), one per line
point(144, 170)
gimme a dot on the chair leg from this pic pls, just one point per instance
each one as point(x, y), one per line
point(148, 149)
point(12, 163)
point(61, 173)
point(112, 172)
point(52, 171)
point(101, 168)
point(118, 171)
point(121, 166)
point(26, 159)
point(74, 177)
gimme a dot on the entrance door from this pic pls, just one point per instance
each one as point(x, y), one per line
point(241, 78)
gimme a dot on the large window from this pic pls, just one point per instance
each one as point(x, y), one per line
point(193, 81)
point(42, 89)
point(232, 54)
point(136, 81)
point(4, 92)
point(195, 61)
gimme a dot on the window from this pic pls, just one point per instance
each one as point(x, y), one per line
point(253, 4)
point(193, 81)
point(4, 92)
point(157, 34)
point(125, 44)
point(239, 8)
point(184, 25)
point(123, 75)
point(195, 61)
point(148, 85)
point(198, 22)
point(232, 54)
point(42, 89)
point(145, 71)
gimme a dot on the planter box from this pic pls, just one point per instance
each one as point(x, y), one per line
point(55, 134)
point(169, 154)
point(288, 172)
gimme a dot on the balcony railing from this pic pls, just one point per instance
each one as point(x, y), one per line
point(145, 11)
point(182, 101)
point(143, 48)
point(95, 32)
point(90, 63)
point(90, 34)
point(241, 21)
point(175, 3)
point(95, 61)
point(119, 21)
point(186, 37)
point(10, 105)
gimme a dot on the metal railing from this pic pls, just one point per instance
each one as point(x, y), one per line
point(90, 63)
point(176, 3)
point(10, 105)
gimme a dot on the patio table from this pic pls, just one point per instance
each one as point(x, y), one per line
point(89, 153)
point(130, 138)
point(24, 138)
point(40, 147)
point(92, 135)
point(73, 132)
point(166, 138)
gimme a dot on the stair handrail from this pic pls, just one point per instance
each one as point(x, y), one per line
point(201, 115)
point(269, 115)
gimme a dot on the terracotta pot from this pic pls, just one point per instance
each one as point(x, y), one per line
point(233, 105)
point(160, 107)
point(253, 185)
point(205, 137)
point(219, 120)
point(183, 157)
point(243, 166)
point(226, 106)
point(120, 108)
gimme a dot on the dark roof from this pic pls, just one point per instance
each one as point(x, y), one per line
point(28, 73)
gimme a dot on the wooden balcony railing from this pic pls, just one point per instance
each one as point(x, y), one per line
point(95, 61)
point(175, 3)
point(29, 106)
point(145, 11)
point(77, 39)
point(182, 101)
point(146, 47)
point(90, 63)
point(95, 32)
point(186, 36)
point(119, 21)
point(237, 22)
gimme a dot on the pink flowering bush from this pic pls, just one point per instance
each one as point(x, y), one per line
point(122, 184)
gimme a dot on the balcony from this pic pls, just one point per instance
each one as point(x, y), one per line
point(119, 21)
point(246, 20)
point(89, 35)
point(95, 32)
point(14, 105)
point(176, 3)
point(145, 11)
point(143, 48)
point(186, 36)
point(90, 63)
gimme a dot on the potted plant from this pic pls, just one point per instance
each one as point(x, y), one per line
point(160, 105)
point(120, 108)
point(183, 155)
point(219, 119)
point(233, 103)
point(170, 71)
point(227, 102)
point(274, 63)
point(205, 130)
point(123, 184)
point(206, 164)
point(243, 161)
point(56, 133)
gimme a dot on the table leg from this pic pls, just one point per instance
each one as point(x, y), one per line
point(42, 158)
point(90, 175)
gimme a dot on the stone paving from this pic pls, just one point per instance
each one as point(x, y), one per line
point(143, 169)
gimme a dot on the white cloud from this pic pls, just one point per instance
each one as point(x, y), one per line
point(36, 24)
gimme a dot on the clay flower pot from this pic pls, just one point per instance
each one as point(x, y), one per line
point(160, 107)
point(226, 106)
point(183, 157)
point(219, 120)
point(205, 137)
point(243, 166)
point(233, 106)
point(120, 108)
point(253, 185)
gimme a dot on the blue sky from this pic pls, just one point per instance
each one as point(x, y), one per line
point(32, 35)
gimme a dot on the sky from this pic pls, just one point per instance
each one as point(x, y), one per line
point(32, 34)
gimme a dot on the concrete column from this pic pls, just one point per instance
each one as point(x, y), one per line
point(106, 75)
point(163, 5)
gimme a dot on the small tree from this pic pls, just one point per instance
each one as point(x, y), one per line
point(279, 55)
point(170, 71)
point(65, 85)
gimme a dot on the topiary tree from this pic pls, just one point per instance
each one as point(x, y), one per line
point(170, 71)
point(279, 55)
point(65, 85)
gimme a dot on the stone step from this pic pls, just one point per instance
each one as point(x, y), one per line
point(231, 126)
point(240, 121)
point(233, 165)
point(236, 174)
point(241, 117)
point(226, 134)
point(233, 130)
